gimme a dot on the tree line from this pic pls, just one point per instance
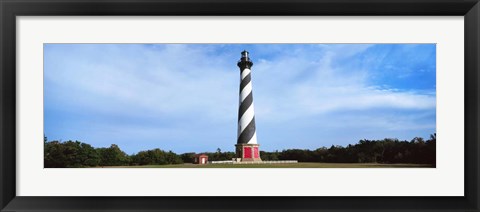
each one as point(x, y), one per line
point(74, 154)
point(416, 151)
point(70, 154)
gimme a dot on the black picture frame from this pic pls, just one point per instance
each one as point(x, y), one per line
point(10, 9)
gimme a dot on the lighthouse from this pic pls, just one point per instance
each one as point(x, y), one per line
point(247, 147)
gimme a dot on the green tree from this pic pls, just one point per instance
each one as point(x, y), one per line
point(156, 157)
point(54, 156)
point(113, 156)
point(187, 157)
point(69, 154)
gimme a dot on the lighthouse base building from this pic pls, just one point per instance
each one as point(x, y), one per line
point(247, 152)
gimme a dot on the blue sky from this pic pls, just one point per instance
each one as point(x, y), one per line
point(184, 98)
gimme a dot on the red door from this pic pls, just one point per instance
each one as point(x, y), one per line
point(247, 152)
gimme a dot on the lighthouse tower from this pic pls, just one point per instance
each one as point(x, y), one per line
point(246, 147)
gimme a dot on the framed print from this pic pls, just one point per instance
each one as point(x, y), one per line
point(257, 105)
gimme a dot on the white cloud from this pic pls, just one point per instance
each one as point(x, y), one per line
point(282, 94)
point(175, 80)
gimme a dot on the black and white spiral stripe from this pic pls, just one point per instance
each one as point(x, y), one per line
point(246, 115)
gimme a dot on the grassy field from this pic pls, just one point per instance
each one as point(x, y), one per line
point(290, 165)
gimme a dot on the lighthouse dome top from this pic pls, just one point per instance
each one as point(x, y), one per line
point(245, 61)
point(245, 53)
